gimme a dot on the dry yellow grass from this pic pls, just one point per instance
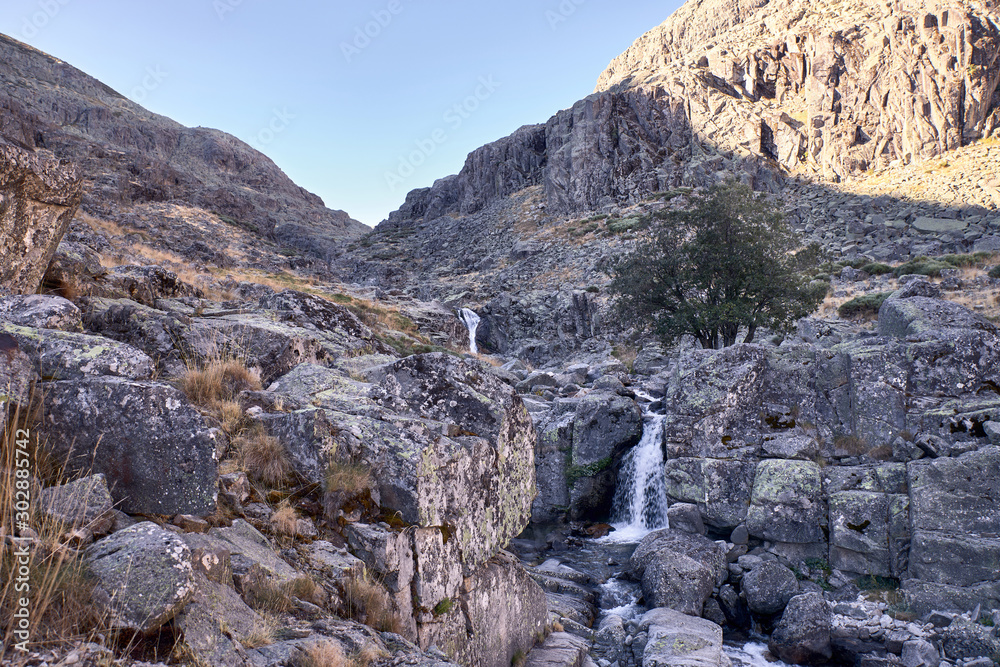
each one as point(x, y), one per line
point(215, 384)
point(262, 634)
point(101, 225)
point(368, 602)
point(347, 477)
point(61, 609)
point(262, 457)
point(284, 521)
point(323, 654)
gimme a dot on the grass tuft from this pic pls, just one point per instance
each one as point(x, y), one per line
point(368, 602)
point(263, 458)
point(323, 654)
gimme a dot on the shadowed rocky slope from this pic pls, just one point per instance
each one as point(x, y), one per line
point(129, 155)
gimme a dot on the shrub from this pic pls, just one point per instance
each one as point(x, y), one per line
point(285, 521)
point(443, 607)
point(922, 266)
point(876, 269)
point(872, 582)
point(626, 354)
point(866, 305)
point(995, 272)
point(622, 226)
point(817, 290)
point(851, 444)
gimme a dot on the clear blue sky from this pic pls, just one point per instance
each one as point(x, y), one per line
point(339, 119)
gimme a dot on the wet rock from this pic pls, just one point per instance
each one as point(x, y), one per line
point(163, 463)
point(802, 636)
point(675, 581)
point(677, 639)
point(84, 502)
point(768, 587)
point(604, 426)
point(40, 196)
point(41, 311)
point(144, 576)
point(686, 518)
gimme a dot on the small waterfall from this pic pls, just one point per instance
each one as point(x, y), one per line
point(471, 320)
point(640, 502)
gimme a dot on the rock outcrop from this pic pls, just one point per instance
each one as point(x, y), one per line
point(164, 463)
point(39, 195)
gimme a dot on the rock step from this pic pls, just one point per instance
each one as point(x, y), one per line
point(560, 649)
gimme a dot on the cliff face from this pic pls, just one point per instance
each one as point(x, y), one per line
point(827, 88)
point(612, 148)
point(128, 155)
point(752, 89)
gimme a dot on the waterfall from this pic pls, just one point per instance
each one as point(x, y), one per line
point(640, 502)
point(471, 320)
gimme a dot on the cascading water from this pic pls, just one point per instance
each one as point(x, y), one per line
point(640, 502)
point(471, 320)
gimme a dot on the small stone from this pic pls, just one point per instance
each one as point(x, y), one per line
point(191, 524)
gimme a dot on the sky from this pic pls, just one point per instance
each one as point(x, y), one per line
point(359, 102)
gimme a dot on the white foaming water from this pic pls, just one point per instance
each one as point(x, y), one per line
point(624, 596)
point(751, 655)
point(640, 503)
point(471, 320)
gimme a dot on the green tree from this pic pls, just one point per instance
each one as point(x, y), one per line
point(727, 263)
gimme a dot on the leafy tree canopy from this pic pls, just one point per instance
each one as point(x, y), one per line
point(729, 262)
